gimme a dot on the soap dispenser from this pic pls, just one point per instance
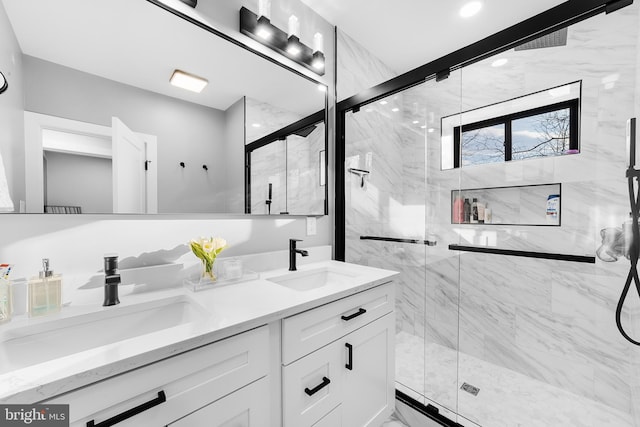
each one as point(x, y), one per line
point(45, 292)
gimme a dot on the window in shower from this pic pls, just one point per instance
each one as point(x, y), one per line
point(542, 124)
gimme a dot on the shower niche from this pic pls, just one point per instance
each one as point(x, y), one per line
point(534, 205)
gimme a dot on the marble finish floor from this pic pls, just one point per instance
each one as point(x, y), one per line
point(506, 398)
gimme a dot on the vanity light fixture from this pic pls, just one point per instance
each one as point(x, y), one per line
point(293, 39)
point(318, 52)
point(471, 8)
point(263, 29)
point(260, 28)
point(188, 81)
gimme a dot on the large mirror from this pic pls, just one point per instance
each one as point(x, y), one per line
point(106, 132)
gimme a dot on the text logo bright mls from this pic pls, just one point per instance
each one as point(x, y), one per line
point(34, 415)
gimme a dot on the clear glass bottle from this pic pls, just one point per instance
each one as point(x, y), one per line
point(45, 292)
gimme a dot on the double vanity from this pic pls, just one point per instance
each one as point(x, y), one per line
point(313, 347)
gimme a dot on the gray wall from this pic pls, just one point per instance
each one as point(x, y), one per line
point(186, 132)
point(11, 111)
point(73, 180)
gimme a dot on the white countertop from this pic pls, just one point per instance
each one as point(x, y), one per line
point(226, 310)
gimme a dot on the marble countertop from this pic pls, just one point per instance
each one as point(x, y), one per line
point(224, 310)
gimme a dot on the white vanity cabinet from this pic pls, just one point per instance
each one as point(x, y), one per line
point(224, 382)
point(338, 362)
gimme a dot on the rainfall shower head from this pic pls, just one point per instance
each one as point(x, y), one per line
point(555, 39)
point(306, 131)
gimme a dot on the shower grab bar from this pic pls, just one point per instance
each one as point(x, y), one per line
point(526, 254)
point(399, 240)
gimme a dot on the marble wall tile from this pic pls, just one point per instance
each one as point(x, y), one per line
point(358, 69)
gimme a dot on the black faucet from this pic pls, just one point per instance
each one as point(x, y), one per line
point(292, 253)
point(111, 280)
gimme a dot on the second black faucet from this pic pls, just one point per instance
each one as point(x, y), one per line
point(292, 253)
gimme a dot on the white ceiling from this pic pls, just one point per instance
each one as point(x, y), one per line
point(406, 34)
point(140, 44)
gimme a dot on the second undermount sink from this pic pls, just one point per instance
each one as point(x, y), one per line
point(43, 341)
point(306, 280)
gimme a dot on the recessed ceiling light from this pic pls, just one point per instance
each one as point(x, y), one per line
point(188, 81)
point(499, 62)
point(423, 127)
point(256, 125)
point(415, 122)
point(383, 102)
point(431, 130)
point(470, 9)
point(395, 109)
point(369, 110)
point(322, 88)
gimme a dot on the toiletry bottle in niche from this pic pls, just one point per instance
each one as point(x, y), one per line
point(467, 211)
point(474, 211)
point(480, 212)
point(488, 214)
point(45, 292)
point(458, 210)
point(553, 209)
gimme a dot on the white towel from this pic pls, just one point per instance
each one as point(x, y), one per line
point(6, 204)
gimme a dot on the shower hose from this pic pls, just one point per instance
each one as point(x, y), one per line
point(634, 250)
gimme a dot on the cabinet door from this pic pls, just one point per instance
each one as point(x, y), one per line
point(369, 360)
point(247, 407)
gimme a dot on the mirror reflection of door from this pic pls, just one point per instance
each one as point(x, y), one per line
point(77, 167)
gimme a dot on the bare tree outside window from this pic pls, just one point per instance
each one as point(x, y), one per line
point(541, 135)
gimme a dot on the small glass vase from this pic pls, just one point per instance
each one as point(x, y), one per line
point(207, 272)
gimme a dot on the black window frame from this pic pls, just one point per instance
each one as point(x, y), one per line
point(574, 114)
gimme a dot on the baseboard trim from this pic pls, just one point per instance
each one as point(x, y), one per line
point(429, 410)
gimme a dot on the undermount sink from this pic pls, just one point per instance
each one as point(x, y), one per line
point(306, 280)
point(47, 340)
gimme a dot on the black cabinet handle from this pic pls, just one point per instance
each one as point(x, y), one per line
point(349, 364)
point(130, 412)
point(360, 312)
point(325, 382)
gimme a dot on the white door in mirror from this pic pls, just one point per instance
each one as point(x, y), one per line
point(129, 186)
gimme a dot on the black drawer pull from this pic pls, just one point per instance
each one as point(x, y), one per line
point(360, 311)
point(349, 364)
point(130, 412)
point(325, 382)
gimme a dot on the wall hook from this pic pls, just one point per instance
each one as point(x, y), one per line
point(205, 167)
point(182, 164)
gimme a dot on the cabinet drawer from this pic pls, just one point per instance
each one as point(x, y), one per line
point(189, 381)
point(312, 386)
point(247, 407)
point(308, 331)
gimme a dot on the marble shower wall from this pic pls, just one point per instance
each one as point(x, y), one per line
point(550, 320)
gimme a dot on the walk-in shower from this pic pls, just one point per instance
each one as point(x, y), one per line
point(507, 319)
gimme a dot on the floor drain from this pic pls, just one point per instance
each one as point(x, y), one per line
point(470, 389)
